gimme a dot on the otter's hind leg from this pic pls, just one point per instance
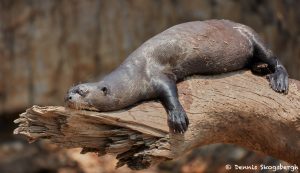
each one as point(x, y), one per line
point(167, 90)
point(260, 68)
point(279, 77)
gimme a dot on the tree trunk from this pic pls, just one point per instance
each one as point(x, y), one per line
point(237, 108)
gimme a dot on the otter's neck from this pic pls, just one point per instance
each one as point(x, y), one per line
point(127, 84)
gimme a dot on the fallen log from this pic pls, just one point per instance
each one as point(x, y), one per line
point(238, 108)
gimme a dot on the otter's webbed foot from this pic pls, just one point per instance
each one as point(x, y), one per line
point(177, 120)
point(279, 80)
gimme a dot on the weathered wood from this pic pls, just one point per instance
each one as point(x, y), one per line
point(238, 108)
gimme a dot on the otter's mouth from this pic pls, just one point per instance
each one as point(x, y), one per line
point(80, 106)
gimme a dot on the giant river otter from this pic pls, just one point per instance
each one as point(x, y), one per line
point(152, 70)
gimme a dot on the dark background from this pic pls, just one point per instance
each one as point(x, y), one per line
point(46, 46)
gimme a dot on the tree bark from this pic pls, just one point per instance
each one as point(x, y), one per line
point(238, 108)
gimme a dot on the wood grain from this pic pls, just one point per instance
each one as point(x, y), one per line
point(237, 108)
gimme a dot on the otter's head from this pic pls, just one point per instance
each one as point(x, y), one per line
point(91, 96)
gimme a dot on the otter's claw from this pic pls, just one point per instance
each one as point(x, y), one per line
point(178, 121)
point(279, 81)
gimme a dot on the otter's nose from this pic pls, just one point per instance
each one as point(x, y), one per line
point(68, 97)
point(70, 93)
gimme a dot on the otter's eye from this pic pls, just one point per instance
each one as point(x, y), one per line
point(82, 92)
point(104, 90)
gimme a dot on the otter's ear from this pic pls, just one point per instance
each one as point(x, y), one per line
point(104, 90)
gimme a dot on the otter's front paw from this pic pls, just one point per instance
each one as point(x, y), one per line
point(178, 121)
point(279, 81)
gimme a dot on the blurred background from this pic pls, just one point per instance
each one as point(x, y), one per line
point(47, 46)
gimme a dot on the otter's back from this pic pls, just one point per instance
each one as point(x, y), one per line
point(207, 47)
